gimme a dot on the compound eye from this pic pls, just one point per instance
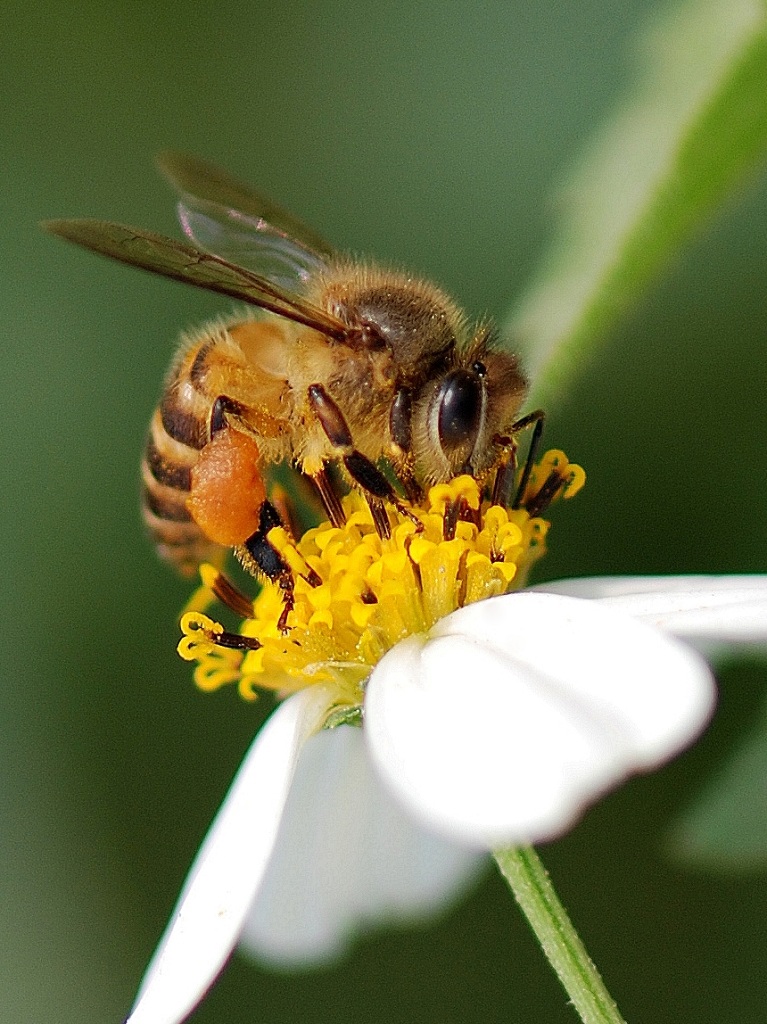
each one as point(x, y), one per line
point(459, 416)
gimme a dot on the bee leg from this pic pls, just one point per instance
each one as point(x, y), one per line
point(537, 504)
point(401, 430)
point(537, 418)
point(505, 472)
point(228, 594)
point(380, 517)
point(329, 497)
point(267, 560)
point(222, 406)
point(285, 509)
point(411, 487)
point(359, 467)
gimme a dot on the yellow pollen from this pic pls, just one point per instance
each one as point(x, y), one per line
point(356, 595)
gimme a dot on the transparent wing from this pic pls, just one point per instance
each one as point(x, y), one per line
point(248, 242)
point(183, 262)
point(228, 218)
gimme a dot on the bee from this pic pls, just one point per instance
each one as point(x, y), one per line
point(337, 369)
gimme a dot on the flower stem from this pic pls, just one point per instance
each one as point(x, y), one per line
point(532, 888)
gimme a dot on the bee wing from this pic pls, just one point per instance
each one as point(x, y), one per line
point(224, 216)
point(247, 242)
point(183, 262)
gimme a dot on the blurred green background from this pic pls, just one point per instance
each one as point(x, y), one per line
point(431, 136)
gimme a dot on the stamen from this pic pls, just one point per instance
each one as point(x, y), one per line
point(450, 520)
point(351, 590)
point(414, 564)
point(462, 578)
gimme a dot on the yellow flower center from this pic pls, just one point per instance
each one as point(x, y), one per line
point(356, 595)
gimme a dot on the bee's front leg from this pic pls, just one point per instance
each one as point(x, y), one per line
point(401, 455)
point(374, 484)
point(536, 420)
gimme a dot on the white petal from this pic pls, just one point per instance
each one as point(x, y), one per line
point(731, 609)
point(515, 713)
point(347, 858)
point(228, 869)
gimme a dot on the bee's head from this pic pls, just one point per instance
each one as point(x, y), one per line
point(459, 414)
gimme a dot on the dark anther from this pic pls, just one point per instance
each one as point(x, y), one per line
point(450, 520)
point(458, 511)
point(463, 579)
point(414, 565)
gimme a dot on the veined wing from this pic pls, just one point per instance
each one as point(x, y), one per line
point(183, 262)
point(224, 216)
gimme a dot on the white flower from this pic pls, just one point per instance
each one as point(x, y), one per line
point(498, 727)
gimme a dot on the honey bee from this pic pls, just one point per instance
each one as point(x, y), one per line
point(338, 368)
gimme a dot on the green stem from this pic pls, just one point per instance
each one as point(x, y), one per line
point(530, 883)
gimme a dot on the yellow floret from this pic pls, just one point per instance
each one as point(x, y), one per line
point(356, 595)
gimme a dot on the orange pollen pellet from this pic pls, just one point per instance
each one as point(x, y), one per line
point(227, 488)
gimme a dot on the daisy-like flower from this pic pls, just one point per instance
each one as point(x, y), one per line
point(490, 717)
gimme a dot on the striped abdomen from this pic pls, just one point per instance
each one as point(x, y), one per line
point(177, 433)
